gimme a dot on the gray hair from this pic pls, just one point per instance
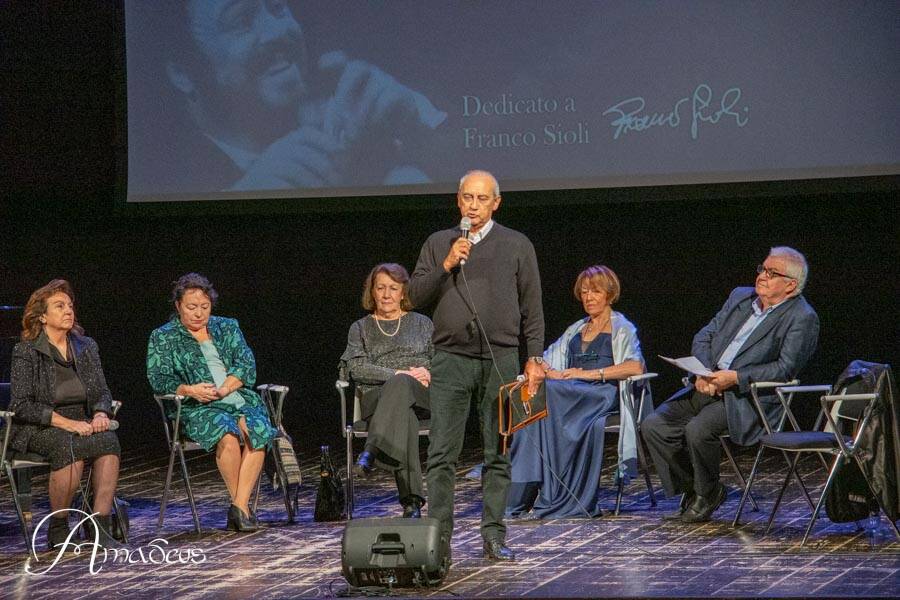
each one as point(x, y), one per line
point(462, 180)
point(796, 265)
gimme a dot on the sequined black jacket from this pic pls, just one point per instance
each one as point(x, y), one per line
point(33, 380)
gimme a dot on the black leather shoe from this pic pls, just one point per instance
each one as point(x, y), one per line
point(412, 508)
point(686, 500)
point(703, 507)
point(497, 550)
point(238, 520)
point(365, 464)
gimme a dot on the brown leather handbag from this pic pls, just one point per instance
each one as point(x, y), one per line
point(518, 409)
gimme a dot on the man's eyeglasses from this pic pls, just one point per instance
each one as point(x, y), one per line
point(771, 273)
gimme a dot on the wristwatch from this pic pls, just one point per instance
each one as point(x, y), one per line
point(538, 360)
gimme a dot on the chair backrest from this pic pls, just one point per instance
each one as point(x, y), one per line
point(168, 424)
point(273, 399)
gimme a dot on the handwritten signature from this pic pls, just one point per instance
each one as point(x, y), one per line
point(628, 115)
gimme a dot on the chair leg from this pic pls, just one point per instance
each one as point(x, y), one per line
point(165, 494)
point(737, 472)
point(619, 492)
point(815, 515)
point(644, 466)
point(787, 479)
point(747, 494)
point(348, 492)
point(256, 492)
point(23, 484)
point(19, 513)
point(190, 494)
point(115, 506)
point(285, 492)
point(802, 485)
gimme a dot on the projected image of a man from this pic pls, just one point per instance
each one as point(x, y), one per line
point(283, 119)
point(247, 75)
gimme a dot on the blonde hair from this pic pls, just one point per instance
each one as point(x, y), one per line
point(599, 277)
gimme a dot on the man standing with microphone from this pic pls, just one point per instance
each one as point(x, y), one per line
point(486, 292)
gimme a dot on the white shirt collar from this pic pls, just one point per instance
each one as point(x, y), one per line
point(758, 309)
point(486, 229)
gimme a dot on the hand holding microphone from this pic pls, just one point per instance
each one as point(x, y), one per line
point(101, 422)
point(459, 251)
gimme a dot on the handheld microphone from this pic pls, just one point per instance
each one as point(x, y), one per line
point(465, 224)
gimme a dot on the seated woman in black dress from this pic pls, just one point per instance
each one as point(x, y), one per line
point(62, 406)
point(585, 369)
point(389, 355)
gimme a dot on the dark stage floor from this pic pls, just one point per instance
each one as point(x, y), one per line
point(633, 555)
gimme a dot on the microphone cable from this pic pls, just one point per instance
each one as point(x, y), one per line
point(487, 342)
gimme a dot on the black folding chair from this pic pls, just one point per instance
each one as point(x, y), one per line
point(725, 439)
point(826, 437)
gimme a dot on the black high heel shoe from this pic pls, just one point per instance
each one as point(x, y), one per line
point(238, 520)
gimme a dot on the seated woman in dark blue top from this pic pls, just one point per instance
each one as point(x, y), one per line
point(585, 370)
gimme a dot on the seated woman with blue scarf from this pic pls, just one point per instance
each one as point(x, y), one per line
point(556, 462)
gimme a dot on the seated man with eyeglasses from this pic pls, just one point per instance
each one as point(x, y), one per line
point(765, 333)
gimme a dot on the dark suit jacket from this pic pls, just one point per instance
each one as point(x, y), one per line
point(34, 379)
point(776, 351)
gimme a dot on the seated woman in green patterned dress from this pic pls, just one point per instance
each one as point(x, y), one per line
point(206, 359)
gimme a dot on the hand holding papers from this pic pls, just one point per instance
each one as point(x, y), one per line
point(690, 364)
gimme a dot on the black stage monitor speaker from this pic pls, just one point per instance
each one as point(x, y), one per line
point(393, 552)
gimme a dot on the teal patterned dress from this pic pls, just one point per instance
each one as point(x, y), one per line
point(174, 357)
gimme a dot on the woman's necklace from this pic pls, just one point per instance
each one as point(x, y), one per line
point(396, 331)
point(589, 328)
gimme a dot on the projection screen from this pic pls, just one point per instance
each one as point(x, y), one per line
point(251, 99)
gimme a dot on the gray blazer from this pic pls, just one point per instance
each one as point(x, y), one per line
point(776, 351)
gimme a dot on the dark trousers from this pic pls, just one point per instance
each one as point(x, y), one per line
point(394, 432)
point(683, 438)
point(457, 381)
